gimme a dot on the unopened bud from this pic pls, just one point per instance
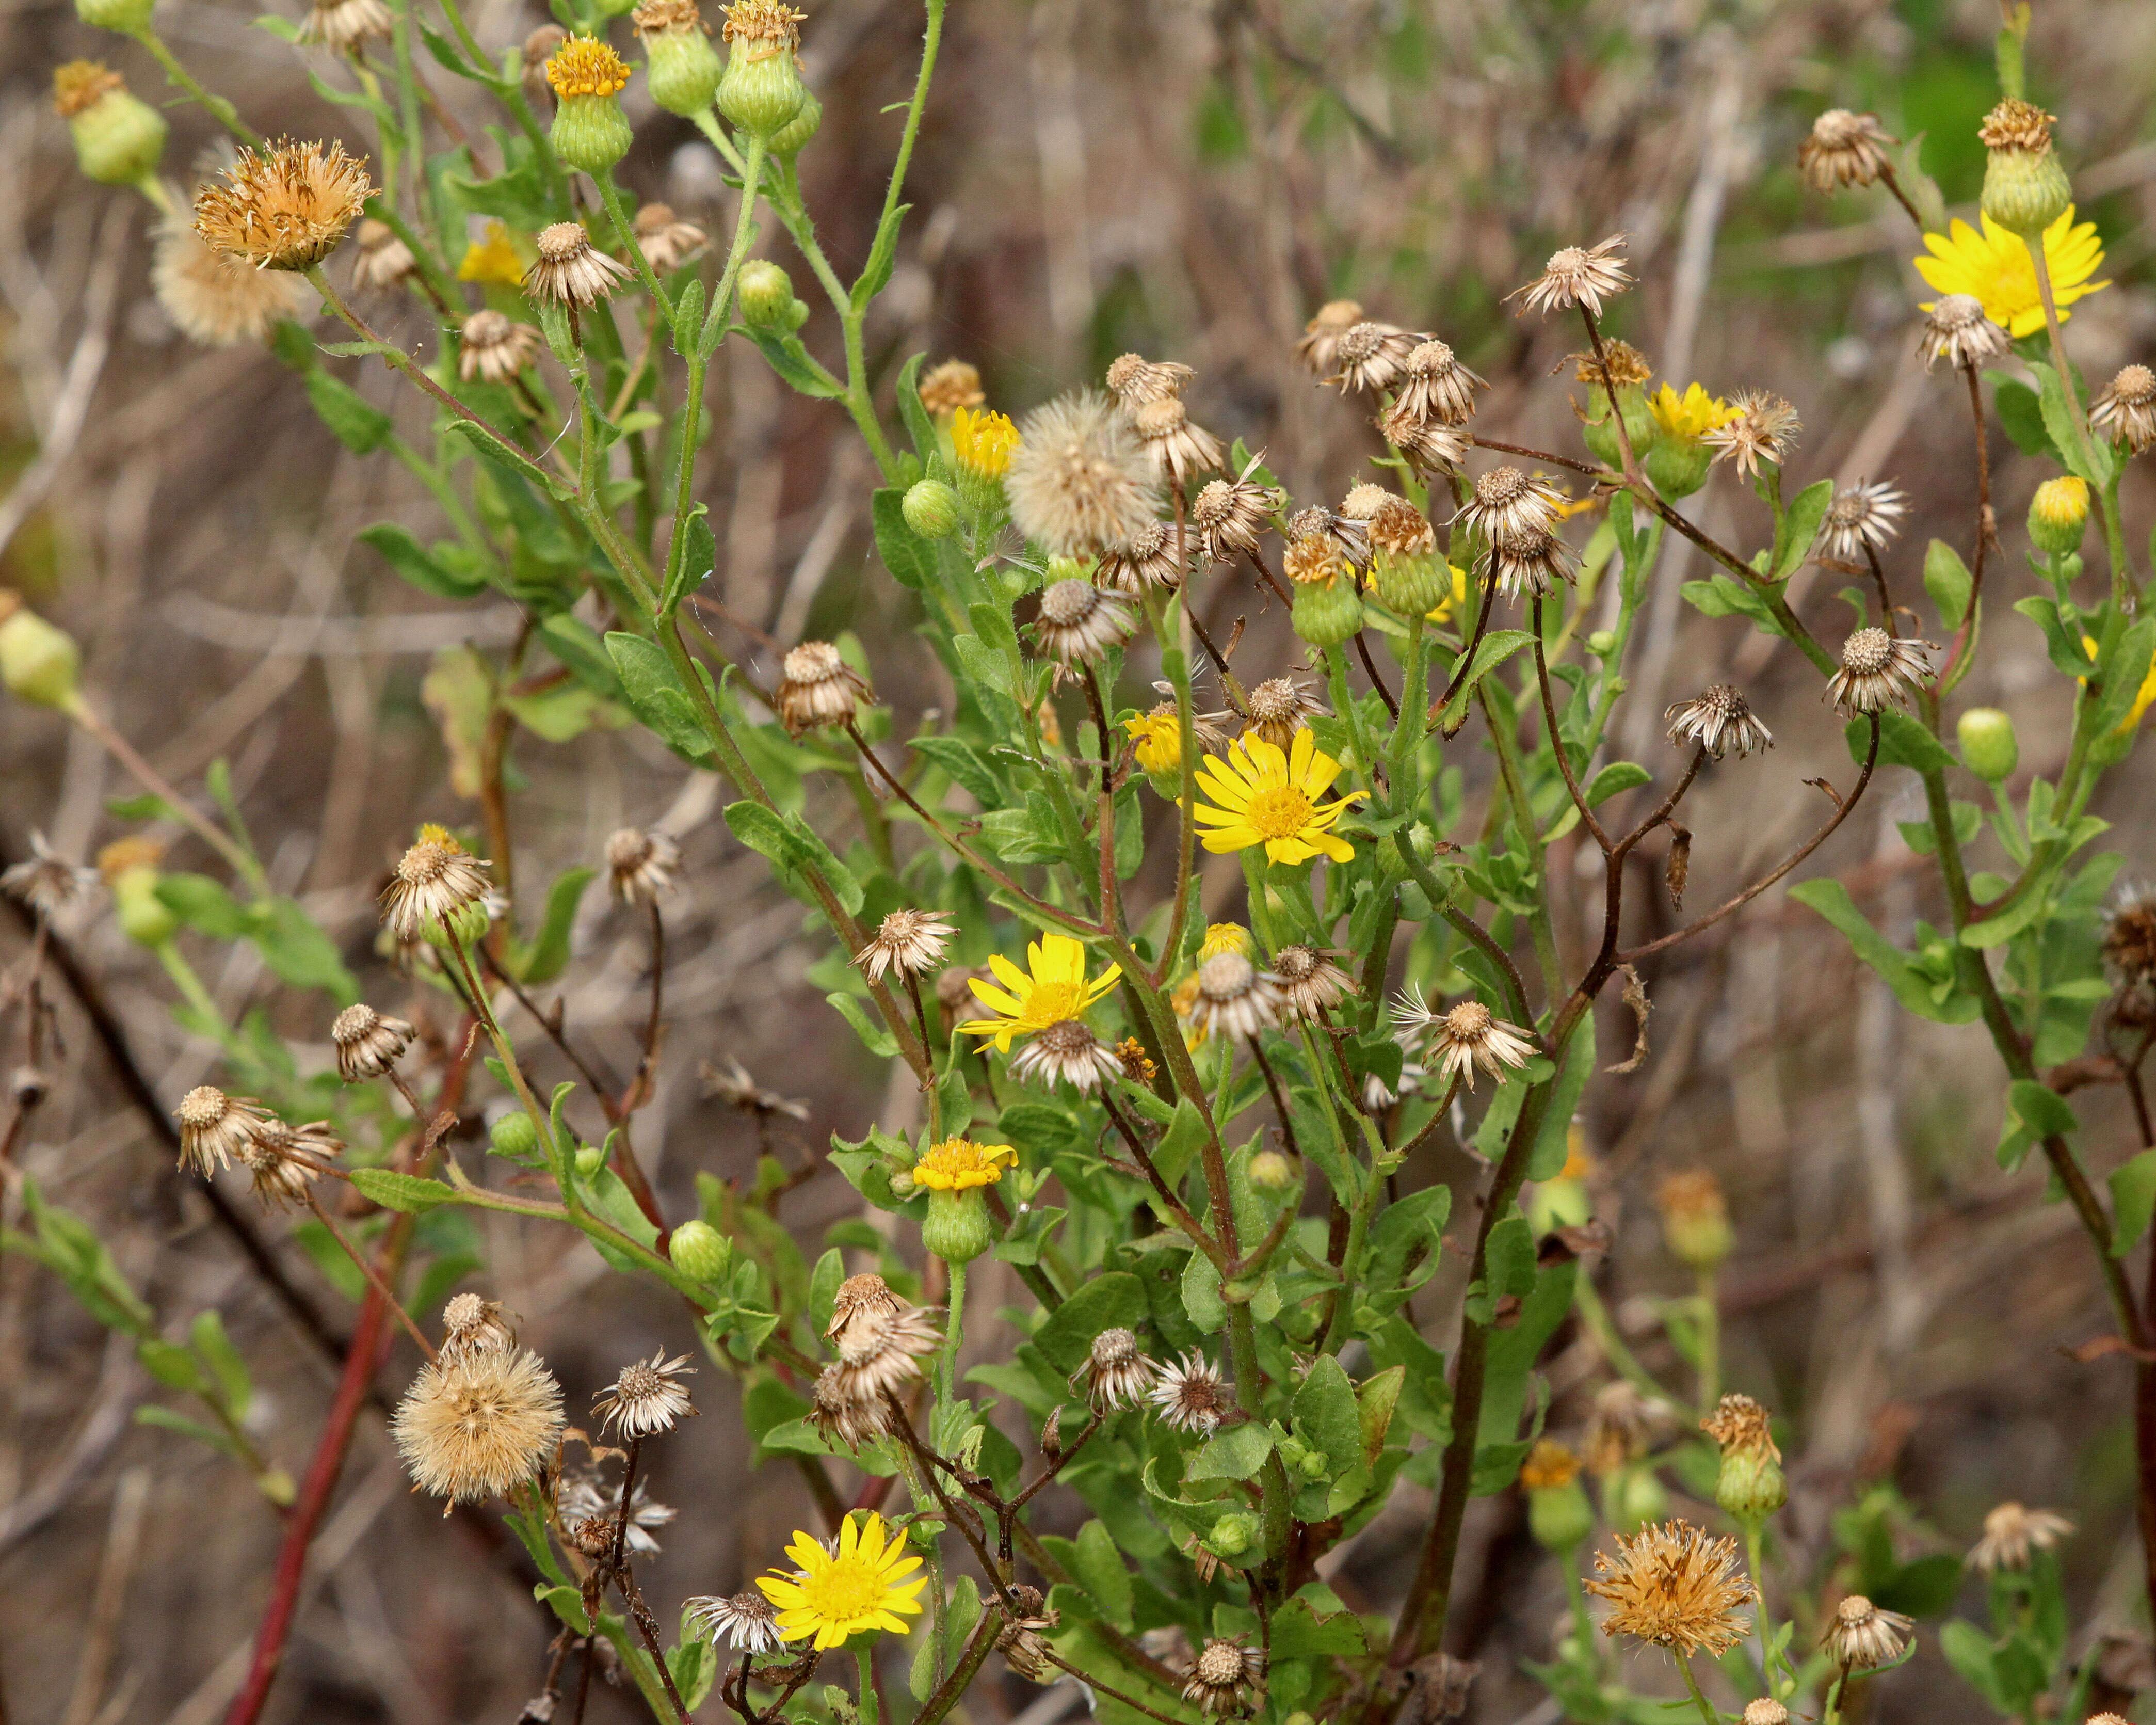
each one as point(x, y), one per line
point(590, 1159)
point(956, 1228)
point(931, 508)
point(1676, 466)
point(1560, 1517)
point(2025, 189)
point(766, 294)
point(760, 89)
point(1327, 613)
point(2058, 514)
point(1988, 745)
point(683, 70)
point(144, 917)
point(1695, 1219)
point(699, 1251)
point(119, 138)
point(789, 139)
point(1633, 1498)
point(39, 663)
point(1233, 1534)
point(1272, 1172)
point(515, 1137)
point(129, 17)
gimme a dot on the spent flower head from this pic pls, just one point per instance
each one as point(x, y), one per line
point(1675, 1586)
point(1578, 275)
point(1080, 481)
point(1878, 671)
point(2013, 1532)
point(1861, 1636)
point(1844, 149)
point(646, 1397)
point(284, 206)
point(479, 1425)
point(1717, 719)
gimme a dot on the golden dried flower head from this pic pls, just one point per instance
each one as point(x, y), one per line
point(582, 66)
point(570, 271)
point(817, 687)
point(1312, 560)
point(212, 297)
point(1578, 275)
point(1226, 1678)
point(471, 1325)
point(1673, 1585)
point(1549, 1464)
point(1844, 149)
point(1859, 1636)
point(1626, 364)
point(909, 941)
point(950, 386)
point(1080, 621)
point(214, 1127)
point(2126, 408)
point(1860, 515)
point(1717, 719)
point(1137, 1064)
point(1739, 1424)
point(641, 864)
point(436, 883)
point(1761, 429)
point(285, 207)
point(1080, 481)
point(667, 18)
point(1192, 1396)
point(2012, 1532)
point(79, 85)
point(1316, 348)
point(368, 1043)
point(1278, 707)
point(480, 1424)
point(1959, 331)
point(2017, 124)
point(1310, 983)
point(1116, 1372)
point(646, 1397)
point(1397, 527)
point(666, 241)
point(1878, 671)
point(1135, 380)
point(764, 24)
point(1067, 1050)
point(1233, 998)
point(1350, 538)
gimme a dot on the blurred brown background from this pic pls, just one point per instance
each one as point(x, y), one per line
point(1189, 180)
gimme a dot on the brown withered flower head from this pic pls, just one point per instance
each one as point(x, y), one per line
point(1860, 515)
point(471, 1325)
point(495, 347)
point(1135, 380)
point(843, 1406)
point(283, 207)
point(1022, 1640)
point(861, 1302)
point(1080, 621)
point(2125, 408)
point(734, 1084)
point(435, 879)
point(1080, 481)
point(1617, 1428)
point(212, 296)
point(1433, 446)
point(950, 386)
point(1226, 1678)
point(641, 864)
point(1844, 149)
point(368, 1043)
point(1508, 506)
point(284, 1161)
point(1067, 1051)
point(1177, 448)
point(1372, 357)
point(910, 942)
point(1533, 562)
point(345, 25)
point(1144, 561)
point(2129, 940)
point(1578, 275)
point(1717, 719)
point(666, 241)
point(1192, 1396)
point(1861, 1636)
point(1279, 707)
point(1472, 1035)
point(480, 1424)
point(817, 687)
point(747, 1622)
point(1958, 331)
point(1230, 513)
point(571, 271)
point(1673, 1585)
point(1439, 389)
point(668, 18)
point(1316, 348)
point(1116, 1372)
point(647, 1397)
point(1397, 527)
point(1309, 981)
point(1742, 1426)
point(1233, 998)
point(215, 1127)
point(2012, 1532)
point(384, 260)
point(1762, 430)
point(1878, 671)
point(2017, 124)
point(1349, 538)
point(584, 1490)
point(44, 879)
point(881, 1348)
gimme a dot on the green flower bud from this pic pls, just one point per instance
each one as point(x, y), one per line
point(1988, 745)
point(699, 1251)
point(467, 925)
point(119, 139)
point(931, 508)
point(130, 868)
point(762, 88)
point(1414, 583)
point(1695, 1219)
point(1560, 1517)
point(127, 16)
point(2058, 514)
point(1599, 429)
point(765, 294)
point(957, 1229)
point(1602, 643)
point(1233, 1534)
point(1633, 1498)
point(789, 139)
point(1327, 613)
point(39, 663)
point(590, 1159)
point(1676, 466)
point(683, 69)
point(515, 1137)
point(590, 131)
point(2025, 189)
point(1272, 1172)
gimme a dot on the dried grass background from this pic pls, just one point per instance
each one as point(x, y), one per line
point(1189, 180)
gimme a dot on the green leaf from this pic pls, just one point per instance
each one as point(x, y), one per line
point(881, 255)
point(2019, 411)
point(405, 1193)
point(788, 841)
point(204, 905)
point(299, 952)
point(1201, 1294)
point(1235, 1453)
point(172, 1365)
point(409, 559)
point(2132, 1201)
point(1375, 1399)
point(655, 694)
point(913, 411)
point(1324, 1409)
point(1497, 646)
point(2058, 426)
point(214, 1348)
point(1969, 1653)
point(1098, 1564)
point(1719, 596)
point(1800, 525)
point(1903, 742)
point(1617, 776)
point(1920, 994)
point(1300, 1632)
point(910, 559)
point(796, 368)
point(550, 947)
point(875, 1038)
point(1947, 579)
point(2064, 644)
point(2124, 671)
point(2034, 1111)
point(1185, 1133)
point(359, 425)
point(1115, 1300)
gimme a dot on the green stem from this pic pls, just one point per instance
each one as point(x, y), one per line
point(1595, 1319)
point(954, 1319)
point(1692, 1683)
point(1583, 1619)
point(1710, 1342)
point(624, 227)
point(1523, 820)
point(865, 1663)
point(216, 106)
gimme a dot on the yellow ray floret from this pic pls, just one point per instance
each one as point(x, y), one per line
point(1159, 740)
point(1269, 797)
point(1994, 266)
point(1689, 416)
point(959, 1164)
point(1052, 988)
point(983, 442)
point(835, 1594)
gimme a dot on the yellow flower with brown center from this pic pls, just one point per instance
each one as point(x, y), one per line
point(983, 442)
point(1673, 1585)
point(960, 1164)
point(583, 67)
point(1994, 267)
point(1052, 988)
point(1265, 795)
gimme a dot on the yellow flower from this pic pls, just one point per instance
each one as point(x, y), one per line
point(1549, 1464)
point(1269, 797)
point(1225, 937)
point(1691, 415)
point(983, 442)
point(1445, 609)
point(835, 1594)
point(493, 258)
point(1159, 739)
point(583, 67)
point(957, 1164)
point(1052, 988)
point(1996, 267)
point(2144, 699)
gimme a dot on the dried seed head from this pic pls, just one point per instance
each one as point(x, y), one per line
point(1676, 1587)
point(1616, 1429)
point(384, 260)
point(44, 880)
point(647, 1397)
point(747, 1622)
point(666, 241)
point(1472, 1035)
point(2012, 1532)
point(1372, 357)
point(583, 1492)
point(1438, 389)
point(1068, 1050)
point(732, 1085)
point(437, 882)
point(1314, 561)
point(1079, 621)
point(1400, 527)
point(473, 1326)
point(2017, 124)
point(1320, 336)
point(1740, 1425)
point(1844, 149)
point(1192, 1396)
point(1229, 515)
point(1021, 1641)
point(480, 1424)
point(1279, 707)
point(1765, 1710)
point(215, 1127)
point(844, 1406)
point(1532, 562)
point(495, 347)
point(1958, 331)
point(2126, 407)
point(1432, 444)
point(285, 207)
point(1233, 998)
point(1116, 1372)
point(1578, 275)
point(368, 1043)
point(1861, 1636)
point(1508, 506)
point(641, 864)
point(950, 386)
point(883, 1347)
point(1176, 448)
point(1226, 1678)
point(1878, 671)
point(212, 297)
point(1144, 561)
point(1860, 515)
point(283, 1161)
point(1310, 983)
point(570, 271)
point(1351, 539)
point(1134, 380)
point(1717, 719)
point(2129, 940)
point(1080, 481)
point(817, 687)
point(910, 942)
point(1761, 430)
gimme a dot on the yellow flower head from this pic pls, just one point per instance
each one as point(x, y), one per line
point(581, 67)
point(493, 258)
point(1268, 797)
point(2063, 502)
point(859, 1586)
point(983, 442)
point(1994, 266)
point(1689, 416)
point(1549, 1464)
point(1225, 937)
point(1452, 604)
point(1052, 988)
point(958, 1164)
point(1159, 739)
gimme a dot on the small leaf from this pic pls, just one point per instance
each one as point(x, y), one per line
point(655, 694)
point(1617, 776)
point(359, 425)
point(1947, 579)
point(404, 1193)
point(1235, 1453)
point(1800, 525)
point(2132, 1201)
point(550, 949)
